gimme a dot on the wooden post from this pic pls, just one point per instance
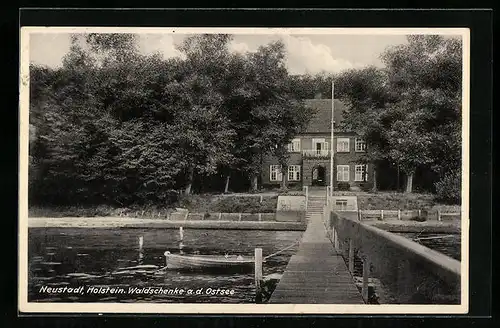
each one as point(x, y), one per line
point(239, 217)
point(181, 234)
point(336, 240)
point(419, 213)
point(258, 274)
point(220, 215)
point(351, 256)
point(439, 215)
point(141, 242)
point(260, 216)
point(382, 215)
point(260, 199)
point(399, 214)
point(366, 275)
point(359, 215)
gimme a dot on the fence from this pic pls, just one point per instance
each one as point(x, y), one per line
point(409, 272)
point(180, 216)
point(405, 215)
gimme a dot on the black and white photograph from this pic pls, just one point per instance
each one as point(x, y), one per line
point(244, 170)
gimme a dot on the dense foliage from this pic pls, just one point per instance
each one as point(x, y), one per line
point(410, 111)
point(115, 126)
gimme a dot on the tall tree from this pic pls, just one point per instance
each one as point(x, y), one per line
point(425, 74)
point(276, 116)
point(205, 133)
point(366, 95)
point(409, 112)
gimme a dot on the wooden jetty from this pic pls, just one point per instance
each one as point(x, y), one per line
point(317, 274)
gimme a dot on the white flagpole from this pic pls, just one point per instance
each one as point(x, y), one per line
point(331, 141)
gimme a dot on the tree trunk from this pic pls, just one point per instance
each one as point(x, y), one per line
point(374, 187)
point(409, 182)
point(189, 183)
point(253, 182)
point(226, 187)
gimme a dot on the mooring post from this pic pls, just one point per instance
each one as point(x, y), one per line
point(382, 215)
point(336, 243)
point(399, 214)
point(181, 234)
point(141, 254)
point(258, 274)
point(366, 275)
point(439, 215)
point(351, 256)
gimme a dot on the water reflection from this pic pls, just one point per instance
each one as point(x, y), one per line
point(104, 258)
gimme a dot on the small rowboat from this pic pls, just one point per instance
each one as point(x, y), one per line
point(197, 262)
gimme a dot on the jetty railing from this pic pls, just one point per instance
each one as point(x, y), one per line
point(409, 273)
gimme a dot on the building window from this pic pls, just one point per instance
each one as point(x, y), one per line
point(343, 145)
point(360, 145)
point(294, 172)
point(275, 173)
point(342, 172)
point(361, 173)
point(341, 204)
point(294, 146)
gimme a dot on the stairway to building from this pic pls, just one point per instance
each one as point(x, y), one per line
point(315, 205)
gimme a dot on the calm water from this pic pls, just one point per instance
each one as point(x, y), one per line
point(449, 245)
point(65, 257)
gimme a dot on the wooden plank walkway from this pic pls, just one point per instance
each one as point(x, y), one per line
point(317, 274)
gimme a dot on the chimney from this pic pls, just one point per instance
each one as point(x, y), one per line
point(318, 95)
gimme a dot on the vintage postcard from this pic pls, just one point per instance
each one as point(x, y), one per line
point(244, 170)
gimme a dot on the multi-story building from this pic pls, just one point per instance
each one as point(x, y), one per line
point(309, 160)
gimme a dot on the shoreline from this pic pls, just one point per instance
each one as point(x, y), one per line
point(139, 223)
point(124, 222)
point(432, 226)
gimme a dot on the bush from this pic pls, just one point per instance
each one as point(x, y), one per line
point(365, 186)
point(245, 205)
point(343, 186)
point(448, 189)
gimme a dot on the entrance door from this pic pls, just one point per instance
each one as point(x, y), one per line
point(319, 176)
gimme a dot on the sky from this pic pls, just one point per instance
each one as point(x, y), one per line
point(306, 53)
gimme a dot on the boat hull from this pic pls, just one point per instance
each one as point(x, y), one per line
point(199, 262)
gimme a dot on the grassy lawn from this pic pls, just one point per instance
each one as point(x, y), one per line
point(203, 203)
point(397, 200)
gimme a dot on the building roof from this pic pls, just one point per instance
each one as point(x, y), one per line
point(321, 121)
